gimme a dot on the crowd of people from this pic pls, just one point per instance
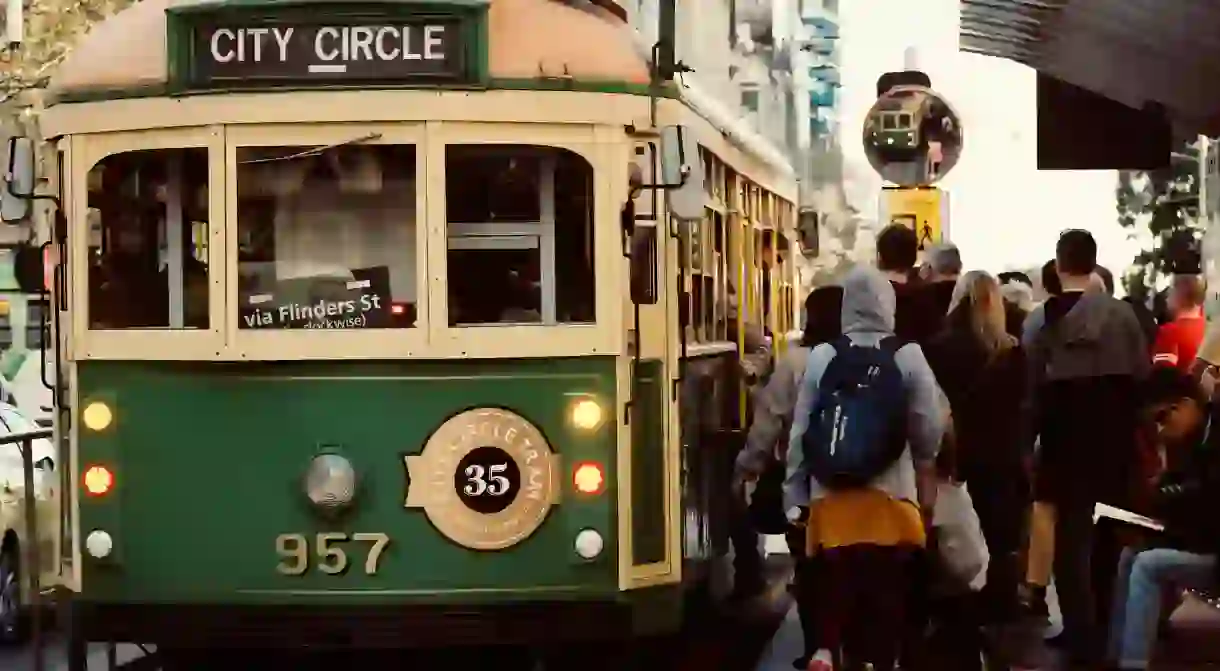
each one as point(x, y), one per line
point(944, 442)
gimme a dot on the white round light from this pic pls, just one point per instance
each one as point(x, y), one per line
point(589, 544)
point(99, 544)
point(330, 481)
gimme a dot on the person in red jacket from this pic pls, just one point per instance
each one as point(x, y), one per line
point(1177, 342)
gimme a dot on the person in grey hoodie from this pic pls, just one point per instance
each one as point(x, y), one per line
point(867, 318)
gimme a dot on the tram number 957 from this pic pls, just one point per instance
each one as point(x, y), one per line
point(486, 480)
point(329, 553)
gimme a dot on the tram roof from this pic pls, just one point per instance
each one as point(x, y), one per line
point(1131, 51)
point(527, 40)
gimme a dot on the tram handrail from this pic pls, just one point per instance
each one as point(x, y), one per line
point(26, 439)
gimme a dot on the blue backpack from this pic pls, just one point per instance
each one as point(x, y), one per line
point(858, 426)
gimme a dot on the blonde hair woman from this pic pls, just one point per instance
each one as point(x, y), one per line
point(982, 371)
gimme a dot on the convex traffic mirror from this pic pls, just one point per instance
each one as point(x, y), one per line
point(912, 137)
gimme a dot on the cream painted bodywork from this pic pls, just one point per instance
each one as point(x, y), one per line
point(130, 51)
point(590, 124)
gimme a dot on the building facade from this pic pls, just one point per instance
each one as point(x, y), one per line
point(770, 69)
point(769, 66)
point(819, 65)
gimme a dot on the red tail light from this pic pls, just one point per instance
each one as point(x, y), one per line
point(98, 480)
point(588, 478)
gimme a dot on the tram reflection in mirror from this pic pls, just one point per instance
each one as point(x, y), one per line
point(18, 183)
point(912, 137)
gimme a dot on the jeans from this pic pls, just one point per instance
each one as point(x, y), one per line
point(1136, 607)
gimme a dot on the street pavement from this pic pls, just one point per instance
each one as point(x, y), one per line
point(1193, 642)
point(21, 659)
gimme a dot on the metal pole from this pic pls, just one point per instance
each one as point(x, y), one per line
point(32, 554)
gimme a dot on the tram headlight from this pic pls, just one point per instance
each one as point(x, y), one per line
point(586, 414)
point(589, 544)
point(99, 544)
point(330, 481)
point(97, 416)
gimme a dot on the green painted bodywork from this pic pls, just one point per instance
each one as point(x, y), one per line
point(208, 460)
point(648, 465)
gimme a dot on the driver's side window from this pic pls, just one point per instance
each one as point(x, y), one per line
point(148, 241)
point(520, 235)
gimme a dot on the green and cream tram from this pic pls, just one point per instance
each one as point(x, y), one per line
point(360, 311)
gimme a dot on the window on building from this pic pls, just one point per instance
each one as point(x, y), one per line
point(520, 235)
point(326, 239)
point(749, 99)
point(831, 5)
point(147, 237)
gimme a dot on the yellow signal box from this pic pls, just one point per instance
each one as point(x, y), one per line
point(923, 209)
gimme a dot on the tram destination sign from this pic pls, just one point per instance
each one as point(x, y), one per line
point(406, 50)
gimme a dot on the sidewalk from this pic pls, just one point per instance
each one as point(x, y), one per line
point(1193, 643)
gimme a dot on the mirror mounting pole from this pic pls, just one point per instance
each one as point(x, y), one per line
point(658, 186)
point(665, 65)
point(59, 238)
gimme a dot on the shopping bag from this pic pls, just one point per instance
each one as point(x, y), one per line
point(959, 536)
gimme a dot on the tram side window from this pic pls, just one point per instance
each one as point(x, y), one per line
point(520, 235)
point(148, 234)
point(326, 237)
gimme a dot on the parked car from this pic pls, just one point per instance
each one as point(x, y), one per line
point(14, 538)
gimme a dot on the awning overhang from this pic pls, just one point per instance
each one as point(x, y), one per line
point(1131, 51)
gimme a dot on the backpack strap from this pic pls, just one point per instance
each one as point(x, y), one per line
point(841, 344)
point(892, 344)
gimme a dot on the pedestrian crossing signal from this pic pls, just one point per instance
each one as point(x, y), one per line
point(925, 237)
point(924, 210)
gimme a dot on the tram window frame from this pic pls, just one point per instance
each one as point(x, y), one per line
point(90, 342)
point(147, 197)
point(348, 343)
point(327, 237)
point(604, 335)
point(564, 298)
